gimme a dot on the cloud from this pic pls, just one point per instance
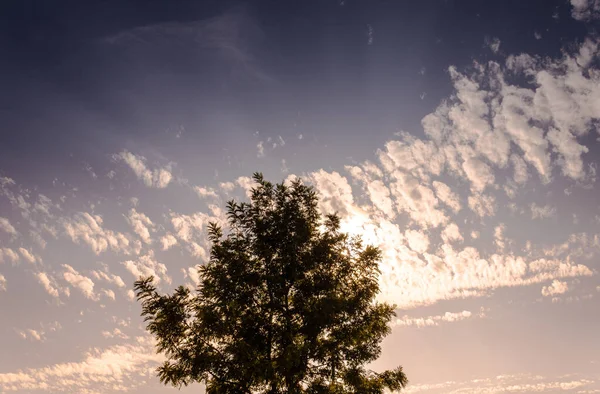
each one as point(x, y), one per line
point(108, 277)
point(521, 174)
point(447, 196)
point(479, 173)
point(260, 149)
point(555, 288)
point(108, 294)
point(204, 192)
point(227, 187)
point(27, 255)
point(101, 370)
point(452, 234)
point(115, 333)
point(168, 241)
point(7, 227)
point(87, 228)
point(417, 200)
point(2, 283)
point(8, 255)
point(417, 241)
point(141, 224)
point(499, 238)
point(147, 266)
point(32, 335)
point(191, 231)
point(482, 204)
point(39, 335)
point(245, 183)
point(419, 322)
point(585, 10)
point(230, 36)
point(156, 178)
point(519, 383)
point(80, 282)
point(377, 190)
point(48, 283)
point(493, 44)
point(542, 212)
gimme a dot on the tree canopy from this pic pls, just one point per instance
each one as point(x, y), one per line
point(286, 304)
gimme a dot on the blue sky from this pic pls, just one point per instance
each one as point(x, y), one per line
point(459, 136)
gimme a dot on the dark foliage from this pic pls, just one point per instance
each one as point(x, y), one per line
point(286, 304)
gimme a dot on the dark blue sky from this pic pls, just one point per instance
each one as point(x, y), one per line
point(282, 68)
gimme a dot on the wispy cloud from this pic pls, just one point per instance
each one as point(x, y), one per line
point(112, 368)
point(520, 383)
point(448, 317)
point(7, 227)
point(84, 284)
point(233, 34)
point(585, 10)
point(158, 177)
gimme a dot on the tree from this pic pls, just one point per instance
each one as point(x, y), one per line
point(286, 304)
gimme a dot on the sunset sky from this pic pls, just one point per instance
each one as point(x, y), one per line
point(460, 136)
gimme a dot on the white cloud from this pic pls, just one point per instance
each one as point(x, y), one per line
point(246, 183)
point(499, 238)
point(377, 190)
point(191, 231)
point(260, 149)
point(448, 317)
point(148, 266)
point(27, 255)
point(493, 44)
point(204, 192)
point(227, 187)
point(109, 294)
point(108, 277)
point(452, 234)
point(157, 178)
point(482, 204)
point(555, 288)
point(8, 255)
point(100, 370)
point(32, 335)
point(39, 335)
point(335, 192)
point(48, 283)
point(168, 241)
point(520, 169)
point(570, 151)
point(192, 273)
point(542, 212)
point(417, 200)
point(88, 228)
point(479, 173)
point(585, 9)
point(417, 241)
point(115, 333)
point(447, 196)
point(2, 283)
point(519, 383)
point(7, 227)
point(141, 224)
point(82, 283)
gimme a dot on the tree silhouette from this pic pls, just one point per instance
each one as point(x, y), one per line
point(286, 304)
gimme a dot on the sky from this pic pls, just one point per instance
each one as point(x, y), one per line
point(461, 137)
